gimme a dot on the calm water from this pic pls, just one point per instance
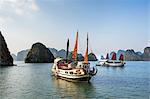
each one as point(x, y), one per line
point(34, 81)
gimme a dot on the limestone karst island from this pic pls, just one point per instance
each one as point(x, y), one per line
point(74, 49)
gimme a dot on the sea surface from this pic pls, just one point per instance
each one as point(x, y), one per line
point(34, 81)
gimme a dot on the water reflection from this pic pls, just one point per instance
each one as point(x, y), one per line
point(73, 90)
point(114, 68)
point(33, 81)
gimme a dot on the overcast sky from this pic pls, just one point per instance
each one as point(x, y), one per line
point(111, 24)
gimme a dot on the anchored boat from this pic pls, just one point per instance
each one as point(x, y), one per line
point(113, 62)
point(73, 70)
point(103, 60)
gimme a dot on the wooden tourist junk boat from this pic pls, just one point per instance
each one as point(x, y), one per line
point(113, 62)
point(73, 70)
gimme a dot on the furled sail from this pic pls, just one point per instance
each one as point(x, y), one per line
point(74, 56)
point(67, 49)
point(86, 53)
point(107, 56)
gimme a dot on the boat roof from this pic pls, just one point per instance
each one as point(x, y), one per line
point(57, 59)
point(61, 59)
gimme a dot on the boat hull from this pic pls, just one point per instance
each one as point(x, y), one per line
point(115, 65)
point(101, 62)
point(73, 78)
point(82, 79)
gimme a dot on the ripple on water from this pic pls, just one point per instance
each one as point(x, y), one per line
point(33, 81)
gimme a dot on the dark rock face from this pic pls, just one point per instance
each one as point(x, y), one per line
point(39, 54)
point(54, 52)
point(61, 53)
point(120, 52)
point(139, 53)
point(130, 55)
point(14, 57)
point(146, 54)
point(79, 57)
point(92, 57)
point(5, 57)
point(22, 55)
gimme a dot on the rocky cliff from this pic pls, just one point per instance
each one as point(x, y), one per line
point(39, 54)
point(119, 52)
point(61, 53)
point(79, 57)
point(5, 57)
point(58, 53)
point(22, 55)
point(92, 57)
point(130, 55)
point(14, 57)
point(54, 51)
point(146, 55)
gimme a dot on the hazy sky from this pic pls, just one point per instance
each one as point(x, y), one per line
point(111, 24)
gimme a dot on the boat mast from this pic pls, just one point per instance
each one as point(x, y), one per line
point(74, 56)
point(107, 57)
point(67, 49)
point(86, 53)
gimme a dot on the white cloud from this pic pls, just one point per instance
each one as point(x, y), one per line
point(4, 20)
point(11, 8)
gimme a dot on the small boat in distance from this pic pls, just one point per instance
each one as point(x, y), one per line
point(73, 70)
point(103, 60)
point(113, 62)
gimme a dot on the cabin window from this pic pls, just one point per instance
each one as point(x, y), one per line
point(71, 72)
point(80, 65)
point(66, 72)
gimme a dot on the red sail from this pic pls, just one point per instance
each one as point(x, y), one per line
point(121, 57)
point(107, 57)
point(114, 56)
point(86, 53)
point(74, 56)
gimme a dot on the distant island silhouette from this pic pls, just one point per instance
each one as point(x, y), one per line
point(7, 60)
point(129, 54)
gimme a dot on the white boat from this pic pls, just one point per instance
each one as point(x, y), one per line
point(101, 62)
point(73, 70)
point(113, 62)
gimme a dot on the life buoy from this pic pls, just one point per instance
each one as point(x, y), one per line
point(77, 70)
